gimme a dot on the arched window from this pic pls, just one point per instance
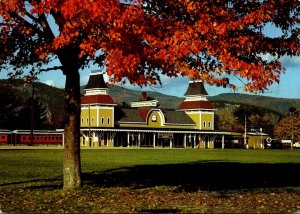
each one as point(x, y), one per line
point(108, 120)
point(204, 124)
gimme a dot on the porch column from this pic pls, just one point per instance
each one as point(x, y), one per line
point(171, 143)
point(154, 140)
point(139, 140)
point(128, 139)
point(194, 145)
point(184, 141)
point(223, 142)
point(208, 141)
point(200, 141)
point(93, 139)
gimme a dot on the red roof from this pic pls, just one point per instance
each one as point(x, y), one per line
point(200, 104)
point(91, 99)
point(144, 112)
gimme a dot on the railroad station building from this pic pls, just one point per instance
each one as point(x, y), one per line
point(143, 123)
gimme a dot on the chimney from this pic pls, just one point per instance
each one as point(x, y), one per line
point(144, 96)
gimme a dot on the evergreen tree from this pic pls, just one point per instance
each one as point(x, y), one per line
point(9, 106)
point(39, 117)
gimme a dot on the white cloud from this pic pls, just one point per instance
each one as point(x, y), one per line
point(50, 82)
point(84, 79)
point(290, 61)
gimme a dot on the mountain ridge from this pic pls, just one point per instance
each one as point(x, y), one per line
point(53, 97)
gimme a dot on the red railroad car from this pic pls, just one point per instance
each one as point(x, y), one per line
point(5, 136)
point(40, 137)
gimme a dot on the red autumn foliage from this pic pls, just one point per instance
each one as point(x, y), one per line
point(136, 40)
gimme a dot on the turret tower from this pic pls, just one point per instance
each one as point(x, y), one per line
point(97, 107)
point(197, 106)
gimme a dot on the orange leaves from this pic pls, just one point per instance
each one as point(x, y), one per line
point(139, 39)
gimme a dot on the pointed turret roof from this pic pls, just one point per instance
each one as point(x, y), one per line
point(196, 97)
point(96, 80)
point(96, 91)
point(195, 88)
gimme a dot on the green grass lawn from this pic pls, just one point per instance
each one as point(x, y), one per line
point(152, 180)
point(28, 164)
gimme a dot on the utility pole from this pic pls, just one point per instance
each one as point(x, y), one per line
point(245, 134)
point(32, 113)
point(292, 143)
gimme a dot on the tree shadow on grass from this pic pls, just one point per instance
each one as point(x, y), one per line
point(214, 175)
point(46, 183)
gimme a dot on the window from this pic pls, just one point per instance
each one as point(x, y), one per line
point(102, 120)
point(204, 124)
point(209, 124)
point(108, 120)
point(92, 120)
point(82, 121)
point(87, 120)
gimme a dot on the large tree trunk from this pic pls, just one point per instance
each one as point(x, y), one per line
point(72, 166)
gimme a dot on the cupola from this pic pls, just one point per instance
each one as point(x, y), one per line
point(195, 97)
point(96, 91)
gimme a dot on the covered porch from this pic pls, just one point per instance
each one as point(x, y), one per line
point(150, 138)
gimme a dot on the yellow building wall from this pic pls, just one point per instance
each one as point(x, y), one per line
point(204, 145)
point(159, 120)
point(196, 118)
point(202, 117)
point(88, 113)
point(104, 114)
point(254, 142)
point(207, 119)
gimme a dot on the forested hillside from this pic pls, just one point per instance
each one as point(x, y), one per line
point(16, 105)
point(15, 96)
point(280, 105)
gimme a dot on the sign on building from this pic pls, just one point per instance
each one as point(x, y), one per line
point(165, 135)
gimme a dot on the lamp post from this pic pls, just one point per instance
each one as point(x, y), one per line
point(245, 134)
point(32, 114)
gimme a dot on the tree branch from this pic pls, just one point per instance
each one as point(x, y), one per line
point(33, 18)
point(51, 69)
point(46, 27)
